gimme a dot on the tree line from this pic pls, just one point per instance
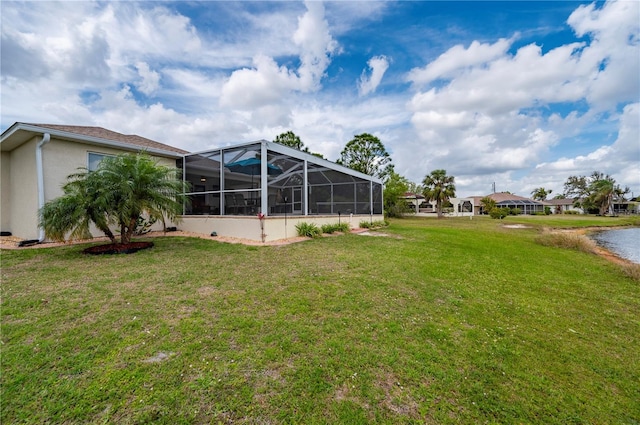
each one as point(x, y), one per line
point(366, 153)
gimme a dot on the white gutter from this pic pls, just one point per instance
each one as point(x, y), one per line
point(46, 138)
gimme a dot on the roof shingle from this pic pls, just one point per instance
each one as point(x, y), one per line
point(103, 133)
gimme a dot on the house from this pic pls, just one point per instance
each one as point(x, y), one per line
point(561, 206)
point(37, 158)
point(509, 200)
point(229, 186)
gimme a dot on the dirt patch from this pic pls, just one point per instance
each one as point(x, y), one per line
point(118, 248)
point(516, 226)
point(160, 357)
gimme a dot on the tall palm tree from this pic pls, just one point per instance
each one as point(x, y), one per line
point(540, 193)
point(439, 187)
point(119, 192)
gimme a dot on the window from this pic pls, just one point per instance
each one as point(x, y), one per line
point(95, 159)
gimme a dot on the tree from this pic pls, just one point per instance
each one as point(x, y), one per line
point(596, 192)
point(121, 191)
point(488, 204)
point(290, 139)
point(367, 154)
point(85, 201)
point(439, 187)
point(394, 188)
point(540, 193)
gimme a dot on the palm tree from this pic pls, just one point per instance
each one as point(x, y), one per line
point(84, 202)
point(439, 187)
point(540, 193)
point(488, 204)
point(119, 192)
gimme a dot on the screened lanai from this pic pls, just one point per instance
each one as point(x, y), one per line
point(275, 180)
point(526, 206)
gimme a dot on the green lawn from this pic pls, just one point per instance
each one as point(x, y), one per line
point(443, 321)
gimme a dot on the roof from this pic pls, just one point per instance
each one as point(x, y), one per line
point(19, 132)
point(504, 198)
point(562, 201)
point(411, 195)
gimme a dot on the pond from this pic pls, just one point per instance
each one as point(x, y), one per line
point(624, 242)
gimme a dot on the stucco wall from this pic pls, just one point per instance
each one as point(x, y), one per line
point(5, 189)
point(23, 191)
point(60, 158)
point(275, 228)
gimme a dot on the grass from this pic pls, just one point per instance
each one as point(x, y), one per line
point(443, 321)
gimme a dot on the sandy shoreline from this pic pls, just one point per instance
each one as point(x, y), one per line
point(597, 249)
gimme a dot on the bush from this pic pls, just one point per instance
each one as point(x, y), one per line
point(372, 225)
point(335, 227)
point(547, 211)
point(499, 213)
point(569, 240)
point(515, 211)
point(308, 229)
point(574, 212)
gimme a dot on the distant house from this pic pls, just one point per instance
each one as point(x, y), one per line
point(561, 206)
point(509, 200)
point(415, 201)
point(231, 187)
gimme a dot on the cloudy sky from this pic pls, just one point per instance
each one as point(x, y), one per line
point(523, 94)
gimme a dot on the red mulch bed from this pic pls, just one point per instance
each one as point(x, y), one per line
point(118, 248)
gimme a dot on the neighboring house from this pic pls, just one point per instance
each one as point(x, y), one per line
point(415, 201)
point(509, 200)
point(229, 186)
point(37, 158)
point(561, 206)
point(459, 206)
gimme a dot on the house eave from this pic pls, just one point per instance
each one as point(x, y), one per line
point(20, 133)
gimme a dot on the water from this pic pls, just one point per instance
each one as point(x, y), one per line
point(624, 242)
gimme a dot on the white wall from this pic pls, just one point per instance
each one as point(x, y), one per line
point(60, 158)
point(275, 228)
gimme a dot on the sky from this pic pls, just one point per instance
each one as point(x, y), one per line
point(513, 93)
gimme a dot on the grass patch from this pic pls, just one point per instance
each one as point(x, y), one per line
point(449, 321)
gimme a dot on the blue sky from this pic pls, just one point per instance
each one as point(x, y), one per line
point(523, 94)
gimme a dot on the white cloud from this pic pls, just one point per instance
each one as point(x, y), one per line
point(488, 114)
point(457, 59)
point(621, 159)
point(368, 83)
point(482, 110)
point(266, 84)
point(150, 80)
point(316, 45)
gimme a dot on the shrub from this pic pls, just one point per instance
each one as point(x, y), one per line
point(571, 212)
point(308, 229)
point(567, 240)
point(515, 211)
point(335, 227)
point(632, 270)
point(499, 213)
point(372, 225)
point(547, 211)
